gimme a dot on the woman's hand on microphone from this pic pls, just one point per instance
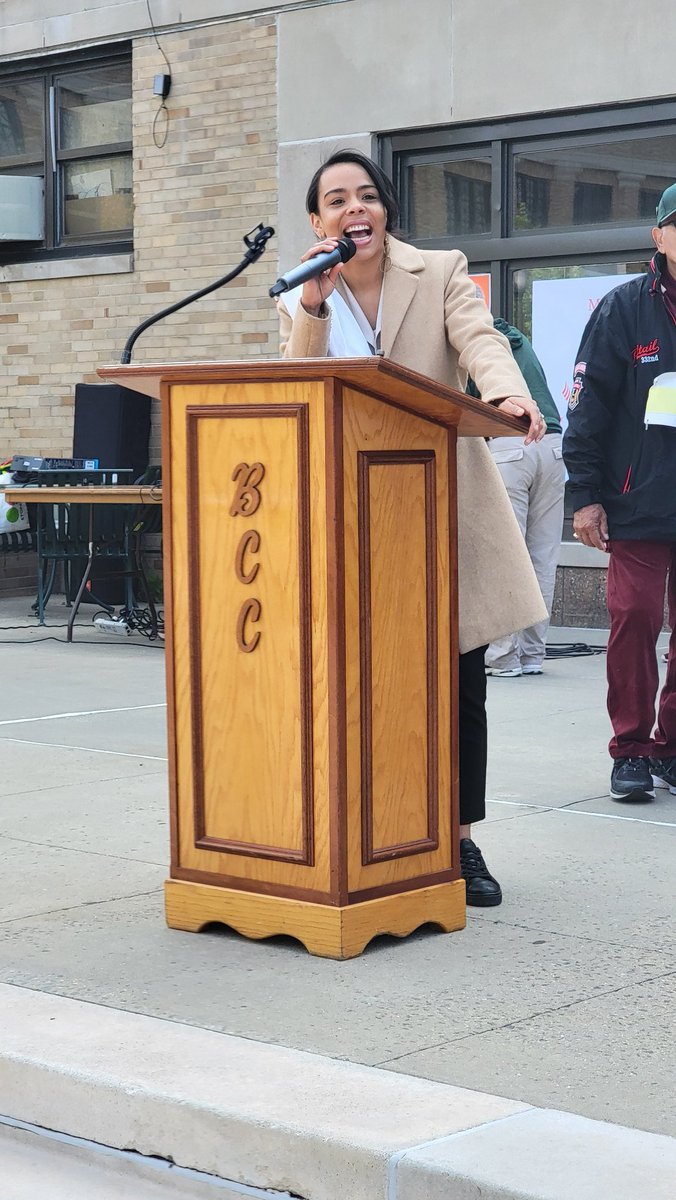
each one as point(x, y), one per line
point(315, 291)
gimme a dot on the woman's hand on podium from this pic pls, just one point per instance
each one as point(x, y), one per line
point(522, 406)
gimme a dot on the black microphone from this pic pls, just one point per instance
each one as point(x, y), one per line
point(317, 265)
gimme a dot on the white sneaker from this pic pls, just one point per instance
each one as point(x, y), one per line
point(534, 669)
point(505, 672)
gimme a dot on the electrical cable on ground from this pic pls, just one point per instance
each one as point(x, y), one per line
point(572, 650)
point(18, 628)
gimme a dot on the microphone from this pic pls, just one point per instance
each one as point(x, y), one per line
point(317, 265)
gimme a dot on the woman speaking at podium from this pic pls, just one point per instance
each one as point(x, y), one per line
point(420, 309)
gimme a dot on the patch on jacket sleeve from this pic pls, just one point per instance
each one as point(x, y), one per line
point(578, 382)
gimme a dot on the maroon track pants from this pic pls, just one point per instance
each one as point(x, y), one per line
point(637, 576)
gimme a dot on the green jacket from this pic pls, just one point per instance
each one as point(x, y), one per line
point(529, 366)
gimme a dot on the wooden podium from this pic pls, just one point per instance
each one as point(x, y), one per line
point(311, 626)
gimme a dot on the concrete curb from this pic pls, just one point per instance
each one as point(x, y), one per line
point(284, 1121)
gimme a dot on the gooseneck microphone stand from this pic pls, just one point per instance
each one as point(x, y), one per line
point(255, 242)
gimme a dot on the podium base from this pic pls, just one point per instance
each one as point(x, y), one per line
point(324, 931)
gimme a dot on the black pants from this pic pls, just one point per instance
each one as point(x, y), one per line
point(473, 741)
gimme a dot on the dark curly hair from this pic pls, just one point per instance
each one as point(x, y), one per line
point(383, 185)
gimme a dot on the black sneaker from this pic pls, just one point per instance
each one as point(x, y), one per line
point(631, 779)
point(663, 771)
point(483, 891)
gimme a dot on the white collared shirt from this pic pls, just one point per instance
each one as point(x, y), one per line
point(371, 334)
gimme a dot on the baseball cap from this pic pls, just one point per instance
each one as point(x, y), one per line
point(666, 209)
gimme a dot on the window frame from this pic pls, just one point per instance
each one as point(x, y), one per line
point(55, 244)
point(499, 251)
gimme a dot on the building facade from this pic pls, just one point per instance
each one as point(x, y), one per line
point(537, 137)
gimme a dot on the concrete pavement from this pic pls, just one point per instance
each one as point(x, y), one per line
point(564, 997)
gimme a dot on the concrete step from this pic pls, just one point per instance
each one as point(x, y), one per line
point(270, 1123)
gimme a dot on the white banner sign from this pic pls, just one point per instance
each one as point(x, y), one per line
point(561, 309)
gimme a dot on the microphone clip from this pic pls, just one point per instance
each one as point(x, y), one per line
point(256, 241)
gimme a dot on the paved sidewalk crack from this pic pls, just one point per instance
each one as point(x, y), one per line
point(50, 912)
point(148, 862)
point(586, 800)
point(573, 809)
point(545, 1012)
point(87, 749)
point(55, 787)
point(562, 933)
point(531, 811)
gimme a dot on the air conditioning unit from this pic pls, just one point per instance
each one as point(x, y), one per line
point(22, 208)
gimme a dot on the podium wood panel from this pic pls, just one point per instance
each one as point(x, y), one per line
point(250, 631)
point(245, 782)
point(399, 748)
point(399, 673)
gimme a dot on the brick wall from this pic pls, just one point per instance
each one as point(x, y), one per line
point(214, 179)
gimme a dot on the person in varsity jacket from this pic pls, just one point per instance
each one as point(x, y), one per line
point(620, 452)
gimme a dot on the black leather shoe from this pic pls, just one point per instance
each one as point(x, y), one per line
point(483, 891)
point(631, 780)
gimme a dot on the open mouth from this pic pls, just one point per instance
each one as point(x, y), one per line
point(359, 232)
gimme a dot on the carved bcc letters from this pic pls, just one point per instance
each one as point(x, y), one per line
point(246, 502)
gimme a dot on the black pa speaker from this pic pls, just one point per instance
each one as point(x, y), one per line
point(112, 423)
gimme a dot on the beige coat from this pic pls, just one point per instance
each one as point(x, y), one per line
point(433, 322)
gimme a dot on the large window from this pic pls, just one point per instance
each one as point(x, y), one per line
point(592, 179)
point(556, 210)
point(453, 196)
point(69, 125)
point(556, 197)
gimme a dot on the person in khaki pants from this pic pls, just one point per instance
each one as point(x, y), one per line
point(534, 477)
